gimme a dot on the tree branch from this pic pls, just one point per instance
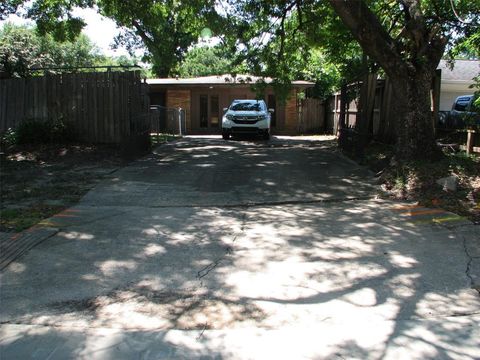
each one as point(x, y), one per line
point(146, 39)
point(370, 34)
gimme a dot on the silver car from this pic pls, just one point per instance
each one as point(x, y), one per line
point(246, 117)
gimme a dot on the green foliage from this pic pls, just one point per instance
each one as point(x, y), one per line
point(161, 138)
point(21, 48)
point(327, 76)
point(204, 61)
point(22, 218)
point(163, 29)
point(476, 87)
point(8, 138)
point(55, 17)
point(41, 132)
point(278, 37)
point(8, 7)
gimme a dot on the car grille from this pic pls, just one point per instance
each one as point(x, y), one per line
point(245, 119)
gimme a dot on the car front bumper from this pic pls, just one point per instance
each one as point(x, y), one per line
point(259, 126)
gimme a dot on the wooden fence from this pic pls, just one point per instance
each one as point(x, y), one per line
point(103, 107)
point(311, 116)
point(375, 97)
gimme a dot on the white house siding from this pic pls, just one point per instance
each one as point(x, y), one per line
point(448, 97)
point(456, 81)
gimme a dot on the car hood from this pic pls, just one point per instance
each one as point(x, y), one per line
point(245, 113)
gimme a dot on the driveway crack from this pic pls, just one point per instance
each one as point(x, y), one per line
point(468, 269)
point(228, 250)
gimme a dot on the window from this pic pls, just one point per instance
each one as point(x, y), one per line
point(214, 111)
point(203, 111)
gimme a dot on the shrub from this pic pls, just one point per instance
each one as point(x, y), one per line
point(39, 132)
point(8, 138)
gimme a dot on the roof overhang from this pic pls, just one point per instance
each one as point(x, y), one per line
point(221, 81)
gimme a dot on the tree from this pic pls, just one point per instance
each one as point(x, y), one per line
point(164, 29)
point(204, 61)
point(406, 38)
point(21, 49)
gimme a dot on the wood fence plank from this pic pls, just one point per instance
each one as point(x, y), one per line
point(101, 106)
point(124, 105)
point(116, 107)
point(93, 102)
point(43, 98)
point(3, 123)
point(21, 102)
point(111, 105)
point(10, 99)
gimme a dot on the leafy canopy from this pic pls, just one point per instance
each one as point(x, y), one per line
point(204, 61)
point(21, 49)
point(162, 29)
point(277, 36)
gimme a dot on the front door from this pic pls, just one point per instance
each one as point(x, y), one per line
point(209, 111)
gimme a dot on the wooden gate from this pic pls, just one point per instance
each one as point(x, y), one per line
point(311, 116)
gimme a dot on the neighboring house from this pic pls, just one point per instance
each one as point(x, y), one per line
point(456, 81)
point(204, 98)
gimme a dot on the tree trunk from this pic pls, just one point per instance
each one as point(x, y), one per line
point(415, 128)
point(411, 69)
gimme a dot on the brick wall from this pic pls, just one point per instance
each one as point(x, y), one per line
point(291, 115)
point(180, 99)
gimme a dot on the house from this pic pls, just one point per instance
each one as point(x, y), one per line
point(456, 81)
point(204, 99)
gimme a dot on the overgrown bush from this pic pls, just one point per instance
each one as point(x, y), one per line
point(8, 138)
point(39, 132)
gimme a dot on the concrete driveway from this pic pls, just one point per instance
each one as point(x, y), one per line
point(245, 250)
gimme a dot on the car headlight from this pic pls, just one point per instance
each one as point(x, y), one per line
point(229, 117)
point(262, 117)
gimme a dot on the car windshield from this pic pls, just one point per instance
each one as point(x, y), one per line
point(246, 106)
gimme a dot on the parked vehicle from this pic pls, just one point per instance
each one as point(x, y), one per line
point(246, 117)
point(464, 113)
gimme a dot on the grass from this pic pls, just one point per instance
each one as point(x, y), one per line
point(161, 138)
point(416, 180)
point(23, 218)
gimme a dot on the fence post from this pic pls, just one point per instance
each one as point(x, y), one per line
point(470, 141)
point(180, 121)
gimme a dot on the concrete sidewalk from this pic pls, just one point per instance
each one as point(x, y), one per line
point(245, 272)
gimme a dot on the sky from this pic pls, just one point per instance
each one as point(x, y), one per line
point(99, 29)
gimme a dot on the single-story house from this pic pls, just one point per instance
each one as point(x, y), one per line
point(456, 81)
point(204, 98)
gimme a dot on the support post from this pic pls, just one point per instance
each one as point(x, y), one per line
point(180, 121)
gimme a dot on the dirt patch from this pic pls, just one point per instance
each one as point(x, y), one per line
point(417, 180)
point(42, 180)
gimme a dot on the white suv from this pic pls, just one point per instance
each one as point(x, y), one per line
point(246, 117)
